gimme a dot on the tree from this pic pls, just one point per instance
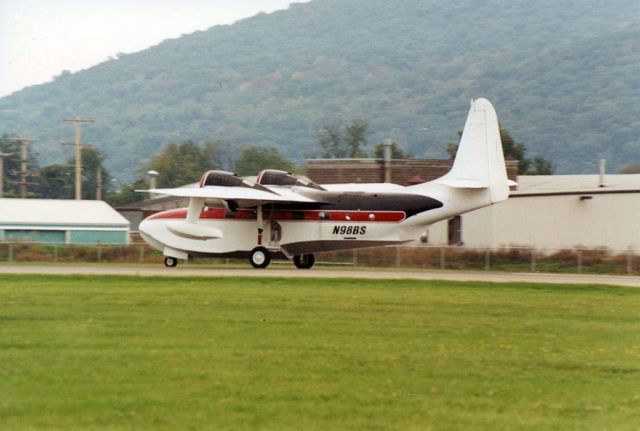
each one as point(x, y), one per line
point(178, 164)
point(254, 159)
point(452, 149)
point(127, 194)
point(516, 150)
point(183, 163)
point(631, 169)
point(541, 166)
point(343, 141)
point(92, 161)
point(219, 154)
point(396, 152)
point(56, 182)
point(12, 165)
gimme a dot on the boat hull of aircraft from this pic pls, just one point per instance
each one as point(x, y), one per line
point(295, 231)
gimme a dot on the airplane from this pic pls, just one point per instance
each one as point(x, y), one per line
point(280, 215)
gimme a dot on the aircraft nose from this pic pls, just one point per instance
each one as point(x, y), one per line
point(143, 226)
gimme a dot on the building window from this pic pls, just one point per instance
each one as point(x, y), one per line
point(38, 236)
point(455, 230)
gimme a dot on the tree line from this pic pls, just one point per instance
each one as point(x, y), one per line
point(56, 181)
point(184, 162)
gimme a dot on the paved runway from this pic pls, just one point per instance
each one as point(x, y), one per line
point(150, 270)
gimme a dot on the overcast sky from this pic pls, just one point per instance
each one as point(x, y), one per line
point(41, 38)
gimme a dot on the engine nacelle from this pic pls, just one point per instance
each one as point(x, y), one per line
point(221, 178)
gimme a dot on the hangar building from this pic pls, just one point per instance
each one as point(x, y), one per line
point(553, 212)
point(61, 221)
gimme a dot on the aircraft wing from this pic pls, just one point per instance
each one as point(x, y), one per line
point(232, 193)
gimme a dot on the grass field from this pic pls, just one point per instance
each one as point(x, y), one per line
point(154, 353)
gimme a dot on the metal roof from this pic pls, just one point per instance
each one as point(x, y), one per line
point(59, 212)
point(553, 184)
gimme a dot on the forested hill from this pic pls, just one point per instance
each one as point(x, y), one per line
point(564, 77)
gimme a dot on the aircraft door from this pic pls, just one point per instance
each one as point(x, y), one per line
point(275, 234)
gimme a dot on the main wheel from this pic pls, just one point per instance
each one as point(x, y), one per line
point(260, 257)
point(170, 261)
point(304, 261)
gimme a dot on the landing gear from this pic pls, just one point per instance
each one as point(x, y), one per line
point(260, 257)
point(170, 262)
point(304, 261)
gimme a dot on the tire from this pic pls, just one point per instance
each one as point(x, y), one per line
point(304, 261)
point(170, 262)
point(260, 257)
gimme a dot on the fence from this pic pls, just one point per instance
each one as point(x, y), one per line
point(516, 259)
point(520, 259)
point(71, 253)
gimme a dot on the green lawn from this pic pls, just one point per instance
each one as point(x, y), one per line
point(193, 353)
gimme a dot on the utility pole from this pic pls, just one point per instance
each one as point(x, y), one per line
point(99, 183)
point(2, 156)
point(77, 122)
point(24, 159)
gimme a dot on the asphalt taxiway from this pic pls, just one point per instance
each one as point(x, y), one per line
point(149, 270)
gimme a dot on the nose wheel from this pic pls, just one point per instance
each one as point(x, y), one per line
point(170, 262)
point(260, 257)
point(304, 261)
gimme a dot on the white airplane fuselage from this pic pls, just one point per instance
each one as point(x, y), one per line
point(282, 215)
point(374, 219)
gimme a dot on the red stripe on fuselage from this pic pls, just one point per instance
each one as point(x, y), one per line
point(289, 215)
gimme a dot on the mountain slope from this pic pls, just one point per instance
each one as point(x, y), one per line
point(563, 78)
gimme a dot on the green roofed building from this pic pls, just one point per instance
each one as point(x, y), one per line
point(61, 221)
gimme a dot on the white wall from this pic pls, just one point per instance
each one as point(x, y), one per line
point(554, 222)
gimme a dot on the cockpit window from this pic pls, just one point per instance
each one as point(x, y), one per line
point(228, 179)
point(272, 177)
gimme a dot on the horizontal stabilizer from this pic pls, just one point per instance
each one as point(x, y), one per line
point(461, 183)
point(193, 231)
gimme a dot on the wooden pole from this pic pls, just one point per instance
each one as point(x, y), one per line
point(77, 122)
point(2, 156)
point(24, 159)
point(99, 183)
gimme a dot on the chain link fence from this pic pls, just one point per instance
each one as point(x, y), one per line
point(519, 259)
point(71, 253)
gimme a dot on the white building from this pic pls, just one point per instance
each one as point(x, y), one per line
point(61, 221)
point(553, 212)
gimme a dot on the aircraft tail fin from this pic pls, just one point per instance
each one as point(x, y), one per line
point(479, 161)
